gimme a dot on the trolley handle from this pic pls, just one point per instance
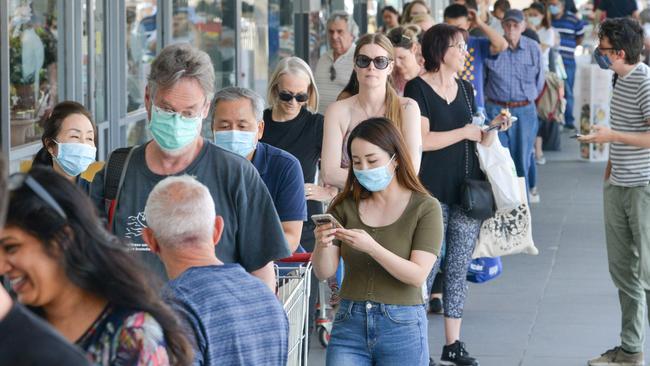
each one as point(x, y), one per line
point(296, 258)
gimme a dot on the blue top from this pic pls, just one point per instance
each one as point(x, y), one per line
point(570, 28)
point(282, 174)
point(478, 49)
point(515, 75)
point(234, 317)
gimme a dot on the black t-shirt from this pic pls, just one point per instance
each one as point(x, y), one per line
point(443, 171)
point(302, 137)
point(618, 8)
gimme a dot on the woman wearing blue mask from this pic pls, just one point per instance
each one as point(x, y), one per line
point(389, 240)
point(69, 136)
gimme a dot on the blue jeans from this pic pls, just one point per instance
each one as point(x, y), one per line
point(570, 68)
point(520, 138)
point(370, 333)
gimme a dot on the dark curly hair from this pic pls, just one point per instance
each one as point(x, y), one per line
point(624, 34)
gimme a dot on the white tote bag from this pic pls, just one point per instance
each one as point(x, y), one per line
point(508, 231)
point(498, 166)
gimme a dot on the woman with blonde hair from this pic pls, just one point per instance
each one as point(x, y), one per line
point(291, 123)
point(373, 63)
point(408, 55)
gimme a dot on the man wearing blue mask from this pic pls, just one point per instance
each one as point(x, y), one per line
point(571, 31)
point(177, 98)
point(238, 126)
point(626, 194)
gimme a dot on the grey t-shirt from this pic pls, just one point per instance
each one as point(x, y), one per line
point(252, 234)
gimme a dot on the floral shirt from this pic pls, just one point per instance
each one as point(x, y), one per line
point(122, 336)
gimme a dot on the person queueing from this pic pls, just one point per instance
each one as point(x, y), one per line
point(292, 123)
point(449, 142)
point(61, 262)
point(373, 60)
point(408, 55)
point(390, 235)
point(69, 137)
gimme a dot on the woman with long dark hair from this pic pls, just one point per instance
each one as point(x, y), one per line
point(61, 261)
point(69, 142)
point(390, 235)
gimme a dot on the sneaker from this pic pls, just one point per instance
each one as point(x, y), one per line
point(618, 357)
point(534, 195)
point(568, 128)
point(435, 305)
point(456, 355)
point(541, 160)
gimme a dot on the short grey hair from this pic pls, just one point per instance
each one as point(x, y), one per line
point(233, 93)
point(181, 60)
point(180, 212)
point(344, 16)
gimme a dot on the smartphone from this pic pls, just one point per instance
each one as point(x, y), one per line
point(576, 136)
point(322, 219)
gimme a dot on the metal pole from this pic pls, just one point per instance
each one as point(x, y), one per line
point(5, 116)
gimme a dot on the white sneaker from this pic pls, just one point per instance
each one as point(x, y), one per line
point(533, 197)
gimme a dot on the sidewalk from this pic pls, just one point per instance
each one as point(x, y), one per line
point(559, 308)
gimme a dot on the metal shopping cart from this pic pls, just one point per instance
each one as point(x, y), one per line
point(294, 282)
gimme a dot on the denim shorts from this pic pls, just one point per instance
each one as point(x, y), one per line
point(370, 333)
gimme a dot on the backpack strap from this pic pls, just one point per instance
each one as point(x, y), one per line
point(114, 175)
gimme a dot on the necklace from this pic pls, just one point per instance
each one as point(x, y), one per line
point(364, 111)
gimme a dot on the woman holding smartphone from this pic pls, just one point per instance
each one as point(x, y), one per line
point(389, 240)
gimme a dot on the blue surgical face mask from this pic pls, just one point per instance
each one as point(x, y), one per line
point(171, 130)
point(554, 9)
point(74, 158)
point(239, 142)
point(376, 179)
point(535, 21)
point(602, 60)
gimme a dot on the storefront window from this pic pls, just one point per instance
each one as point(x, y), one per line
point(97, 54)
point(254, 45)
point(140, 49)
point(281, 31)
point(33, 66)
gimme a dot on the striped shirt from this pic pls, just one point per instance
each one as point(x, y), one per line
point(630, 112)
point(329, 89)
point(570, 28)
point(234, 318)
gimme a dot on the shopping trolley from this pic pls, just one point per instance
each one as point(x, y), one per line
point(294, 282)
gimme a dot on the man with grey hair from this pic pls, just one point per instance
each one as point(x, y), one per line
point(335, 67)
point(177, 99)
point(238, 125)
point(219, 302)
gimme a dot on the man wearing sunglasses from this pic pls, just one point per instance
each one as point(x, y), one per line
point(26, 339)
point(335, 67)
point(514, 80)
point(238, 125)
point(626, 193)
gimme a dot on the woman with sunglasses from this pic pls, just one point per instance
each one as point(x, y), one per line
point(408, 55)
point(449, 143)
point(292, 124)
point(373, 64)
point(389, 233)
point(62, 263)
point(69, 136)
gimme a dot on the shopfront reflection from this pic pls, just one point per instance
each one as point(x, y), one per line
point(32, 67)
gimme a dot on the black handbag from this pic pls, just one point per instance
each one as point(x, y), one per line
point(476, 197)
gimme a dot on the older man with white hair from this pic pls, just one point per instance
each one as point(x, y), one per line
point(334, 68)
point(177, 99)
point(220, 302)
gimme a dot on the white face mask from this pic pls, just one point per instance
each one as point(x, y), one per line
point(535, 21)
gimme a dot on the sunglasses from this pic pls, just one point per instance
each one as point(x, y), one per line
point(286, 97)
point(332, 73)
point(18, 180)
point(381, 62)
